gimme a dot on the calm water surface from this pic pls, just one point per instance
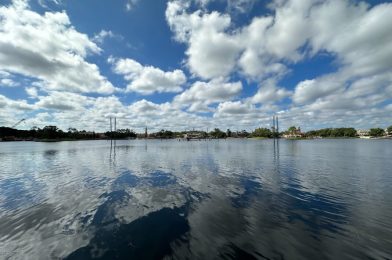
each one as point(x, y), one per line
point(233, 199)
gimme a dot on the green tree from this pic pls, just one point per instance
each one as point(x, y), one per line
point(165, 134)
point(333, 132)
point(350, 132)
point(72, 130)
point(50, 132)
point(228, 133)
point(292, 129)
point(122, 134)
point(217, 133)
point(376, 132)
point(243, 133)
point(262, 132)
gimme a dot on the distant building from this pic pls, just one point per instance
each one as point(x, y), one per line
point(194, 135)
point(363, 134)
point(387, 133)
point(240, 134)
point(86, 133)
point(294, 134)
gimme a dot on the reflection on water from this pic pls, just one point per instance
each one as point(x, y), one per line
point(148, 237)
point(234, 199)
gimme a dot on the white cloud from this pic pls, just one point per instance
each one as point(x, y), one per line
point(108, 107)
point(211, 52)
point(149, 110)
point(260, 48)
point(130, 4)
point(14, 104)
point(102, 35)
point(308, 91)
point(270, 93)
point(215, 49)
point(32, 92)
point(8, 83)
point(366, 49)
point(362, 82)
point(290, 30)
point(233, 108)
point(148, 79)
point(95, 115)
point(144, 106)
point(333, 92)
point(202, 94)
point(343, 87)
point(233, 6)
point(6, 80)
point(4, 74)
point(48, 47)
point(355, 35)
point(63, 101)
point(44, 3)
point(241, 6)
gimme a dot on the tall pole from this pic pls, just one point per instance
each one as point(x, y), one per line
point(115, 124)
point(277, 124)
point(111, 124)
point(273, 124)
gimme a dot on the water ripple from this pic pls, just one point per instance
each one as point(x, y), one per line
point(233, 199)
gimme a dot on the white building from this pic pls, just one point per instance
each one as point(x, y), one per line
point(363, 133)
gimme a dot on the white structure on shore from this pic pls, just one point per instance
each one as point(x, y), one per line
point(194, 135)
point(363, 134)
point(293, 133)
point(388, 134)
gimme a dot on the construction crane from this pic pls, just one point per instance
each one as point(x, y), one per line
point(20, 121)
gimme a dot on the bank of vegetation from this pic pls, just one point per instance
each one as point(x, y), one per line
point(332, 133)
point(53, 133)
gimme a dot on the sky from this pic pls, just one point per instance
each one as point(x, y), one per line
point(196, 64)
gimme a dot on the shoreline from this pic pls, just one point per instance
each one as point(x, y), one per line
point(230, 138)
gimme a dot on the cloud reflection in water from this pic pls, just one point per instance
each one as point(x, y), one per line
point(224, 199)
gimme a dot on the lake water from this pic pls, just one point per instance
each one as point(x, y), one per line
point(226, 199)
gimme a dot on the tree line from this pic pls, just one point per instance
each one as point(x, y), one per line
point(333, 132)
point(53, 132)
point(325, 132)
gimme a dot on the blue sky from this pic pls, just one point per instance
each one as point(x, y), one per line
point(196, 64)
